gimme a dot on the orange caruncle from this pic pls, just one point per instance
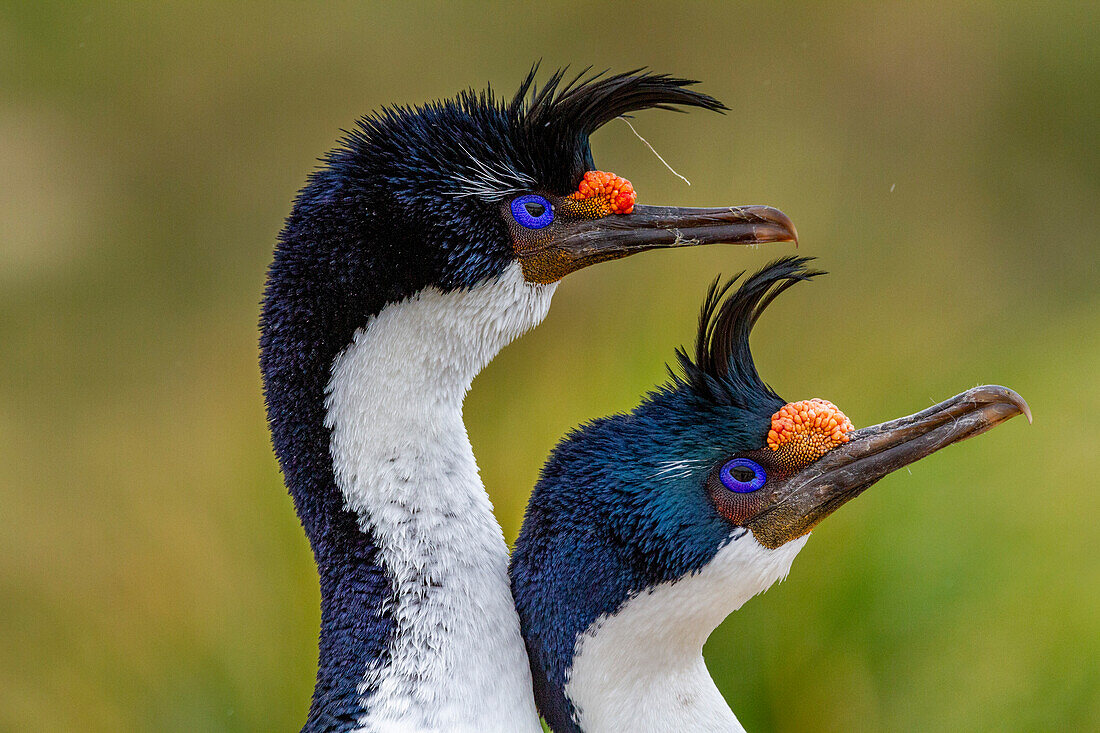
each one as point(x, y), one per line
point(615, 190)
point(806, 430)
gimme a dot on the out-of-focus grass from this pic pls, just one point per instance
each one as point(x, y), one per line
point(942, 161)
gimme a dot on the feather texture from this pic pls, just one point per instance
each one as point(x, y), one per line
point(723, 370)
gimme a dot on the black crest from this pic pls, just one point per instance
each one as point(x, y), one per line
point(723, 371)
point(478, 148)
point(559, 117)
point(475, 144)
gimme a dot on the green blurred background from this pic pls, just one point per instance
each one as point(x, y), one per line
point(942, 159)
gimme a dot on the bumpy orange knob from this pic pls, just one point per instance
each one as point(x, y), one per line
point(615, 191)
point(806, 430)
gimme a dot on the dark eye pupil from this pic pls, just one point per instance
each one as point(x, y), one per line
point(534, 208)
point(743, 474)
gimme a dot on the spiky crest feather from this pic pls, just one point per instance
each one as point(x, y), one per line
point(489, 148)
point(563, 114)
point(723, 370)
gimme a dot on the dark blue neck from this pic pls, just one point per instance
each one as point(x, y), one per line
point(297, 355)
point(558, 596)
point(598, 530)
point(321, 287)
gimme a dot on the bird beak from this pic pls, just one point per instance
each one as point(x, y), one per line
point(583, 242)
point(803, 499)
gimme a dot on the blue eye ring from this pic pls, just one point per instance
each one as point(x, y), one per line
point(525, 218)
point(743, 487)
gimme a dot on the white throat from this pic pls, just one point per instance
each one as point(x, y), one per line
point(642, 668)
point(404, 464)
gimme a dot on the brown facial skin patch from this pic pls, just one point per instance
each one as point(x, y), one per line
point(544, 263)
point(552, 264)
point(771, 529)
point(599, 194)
point(800, 434)
point(740, 509)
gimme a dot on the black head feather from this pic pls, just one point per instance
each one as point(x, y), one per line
point(723, 371)
point(559, 117)
point(538, 140)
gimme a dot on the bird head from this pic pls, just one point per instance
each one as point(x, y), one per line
point(706, 490)
point(783, 467)
point(454, 192)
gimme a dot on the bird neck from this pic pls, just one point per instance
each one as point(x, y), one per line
point(403, 462)
point(418, 627)
point(641, 668)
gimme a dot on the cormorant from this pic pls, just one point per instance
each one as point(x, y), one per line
point(647, 529)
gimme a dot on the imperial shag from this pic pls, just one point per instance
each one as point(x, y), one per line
point(647, 529)
point(430, 239)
